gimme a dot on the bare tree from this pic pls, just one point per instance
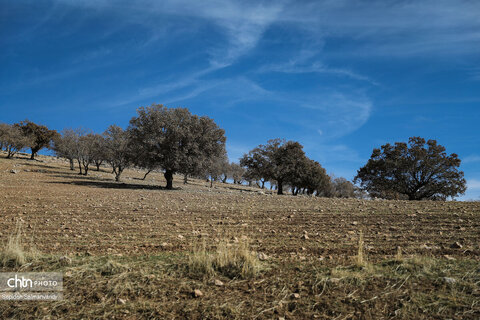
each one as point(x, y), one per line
point(98, 146)
point(344, 188)
point(86, 151)
point(237, 173)
point(13, 139)
point(65, 145)
point(118, 149)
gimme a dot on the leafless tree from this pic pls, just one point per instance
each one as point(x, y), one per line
point(118, 149)
point(13, 139)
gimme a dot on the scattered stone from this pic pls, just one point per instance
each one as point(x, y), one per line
point(262, 256)
point(218, 283)
point(295, 296)
point(449, 257)
point(164, 245)
point(456, 245)
point(334, 280)
point(197, 293)
point(449, 280)
point(181, 237)
point(122, 301)
point(305, 237)
point(354, 223)
point(14, 171)
point(65, 260)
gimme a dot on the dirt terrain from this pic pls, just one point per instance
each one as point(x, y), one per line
point(303, 242)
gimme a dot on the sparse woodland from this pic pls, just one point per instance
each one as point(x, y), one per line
point(174, 141)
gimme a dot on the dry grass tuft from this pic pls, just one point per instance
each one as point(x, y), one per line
point(360, 259)
point(111, 268)
point(13, 253)
point(233, 260)
point(399, 255)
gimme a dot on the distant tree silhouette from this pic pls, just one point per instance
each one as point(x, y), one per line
point(278, 160)
point(415, 170)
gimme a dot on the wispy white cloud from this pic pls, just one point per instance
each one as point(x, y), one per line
point(306, 61)
point(471, 159)
point(473, 184)
point(242, 23)
point(338, 113)
point(389, 28)
point(395, 28)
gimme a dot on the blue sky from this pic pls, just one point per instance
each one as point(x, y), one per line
point(341, 77)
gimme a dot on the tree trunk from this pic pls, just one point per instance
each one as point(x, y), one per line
point(185, 179)
point(146, 174)
point(118, 174)
point(279, 187)
point(211, 182)
point(72, 165)
point(79, 166)
point(263, 184)
point(169, 177)
point(85, 167)
point(98, 164)
point(34, 152)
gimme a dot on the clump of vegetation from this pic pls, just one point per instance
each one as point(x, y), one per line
point(360, 259)
point(233, 260)
point(14, 253)
point(111, 267)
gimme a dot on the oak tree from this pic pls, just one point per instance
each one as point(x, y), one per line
point(39, 136)
point(415, 170)
point(175, 140)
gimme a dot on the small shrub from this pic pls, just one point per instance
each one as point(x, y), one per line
point(233, 260)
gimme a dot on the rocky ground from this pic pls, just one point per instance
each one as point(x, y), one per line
point(307, 247)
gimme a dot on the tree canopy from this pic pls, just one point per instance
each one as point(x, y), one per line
point(284, 162)
point(38, 135)
point(415, 170)
point(176, 140)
